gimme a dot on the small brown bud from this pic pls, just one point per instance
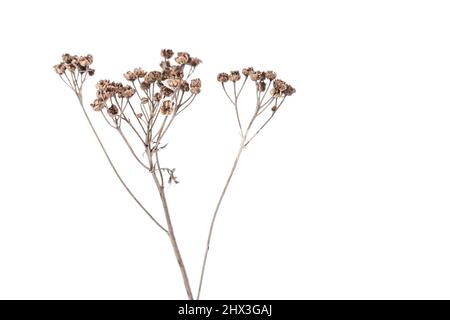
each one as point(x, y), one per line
point(113, 111)
point(274, 108)
point(157, 96)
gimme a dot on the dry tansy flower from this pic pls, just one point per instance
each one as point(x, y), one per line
point(174, 82)
point(139, 73)
point(86, 61)
point(183, 58)
point(130, 76)
point(153, 76)
point(223, 77)
point(113, 111)
point(184, 86)
point(60, 68)
point(157, 96)
point(166, 107)
point(235, 76)
point(281, 88)
point(261, 85)
point(166, 92)
point(126, 92)
point(196, 85)
point(194, 62)
point(257, 75)
point(166, 53)
point(98, 104)
point(271, 75)
point(247, 71)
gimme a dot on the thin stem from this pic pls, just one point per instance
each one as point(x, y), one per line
point(171, 232)
point(80, 99)
point(211, 228)
point(265, 123)
point(131, 149)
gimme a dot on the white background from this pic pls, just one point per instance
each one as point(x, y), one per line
point(344, 195)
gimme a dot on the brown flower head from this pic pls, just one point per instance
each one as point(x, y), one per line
point(194, 62)
point(257, 76)
point(223, 77)
point(60, 68)
point(126, 92)
point(167, 107)
point(86, 61)
point(235, 76)
point(184, 86)
point(145, 85)
point(157, 96)
point(113, 110)
point(261, 86)
point(271, 75)
point(290, 90)
point(247, 71)
point(196, 85)
point(98, 104)
point(165, 65)
point(130, 76)
point(174, 82)
point(281, 88)
point(166, 92)
point(153, 76)
point(139, 73)
point(182, 58)
point(166, 53)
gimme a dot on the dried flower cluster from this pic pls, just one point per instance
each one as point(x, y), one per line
point(74, 70)
point(143, 108)
point(263, 80)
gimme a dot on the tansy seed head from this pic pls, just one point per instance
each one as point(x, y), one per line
point(223, 77)
point(166, 53)
point(235, 76)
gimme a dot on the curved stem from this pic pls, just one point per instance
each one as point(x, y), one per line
point(211, 228)
point(80, 99)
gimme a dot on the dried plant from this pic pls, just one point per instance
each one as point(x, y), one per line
point(270, 95)
point(143, 110)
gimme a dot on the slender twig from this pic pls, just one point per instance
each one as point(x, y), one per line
point(211, 227)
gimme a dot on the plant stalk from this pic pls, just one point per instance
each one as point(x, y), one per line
point(211, 228)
